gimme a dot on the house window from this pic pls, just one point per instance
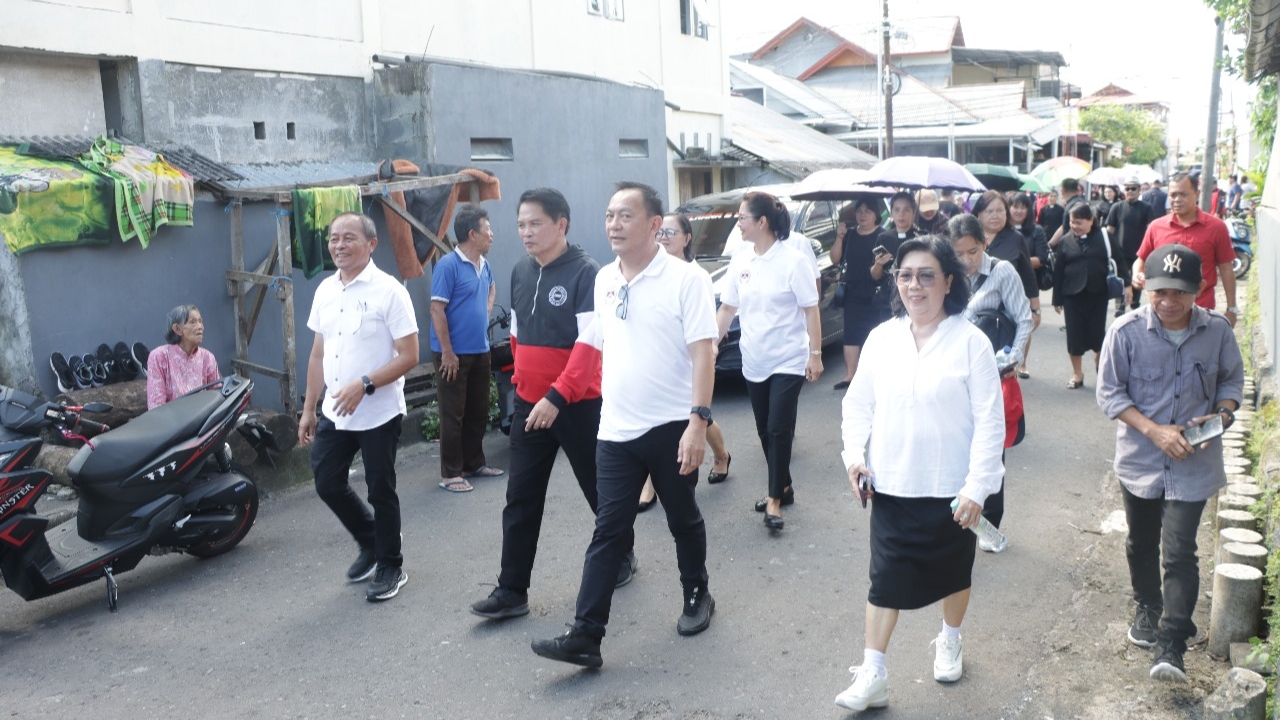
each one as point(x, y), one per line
point(691, 18)
point(611, 9)
point(633, 148)
point(492, 150)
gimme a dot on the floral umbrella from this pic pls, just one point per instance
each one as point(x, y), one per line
point(1053, 171)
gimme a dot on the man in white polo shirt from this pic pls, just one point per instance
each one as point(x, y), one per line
point(366, 339)
point(655, 322)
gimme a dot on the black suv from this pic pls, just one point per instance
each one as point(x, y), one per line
point(716, 238)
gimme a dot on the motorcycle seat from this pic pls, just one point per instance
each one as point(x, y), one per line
point(120, 452)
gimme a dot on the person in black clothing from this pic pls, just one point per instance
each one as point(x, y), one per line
point(903, 213)
point(947, 206)
point(1102, 206)
point(1021, 212)
point(1004, 243)
point(1051, 215)
point(865, 273)
point(1072, 195)
point(1127, 225)
point(1080, 287)
point(1157, 199)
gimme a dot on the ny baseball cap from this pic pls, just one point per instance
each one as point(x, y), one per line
point(1173, 267)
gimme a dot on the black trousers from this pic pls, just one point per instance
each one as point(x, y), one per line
point(774, 403)
point(464, 414)
point(332, 451)
point(621, 471)
point(533, 455)
point(1163, 532)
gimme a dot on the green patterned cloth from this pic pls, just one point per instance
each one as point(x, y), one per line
point(149, 192)
point(52, 203)
point(313, 210)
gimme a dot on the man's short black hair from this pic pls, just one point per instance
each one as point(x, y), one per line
point(1070, 185)
point(1180, 176)
point(652, 200)
point(550, 200)
point(468, 219)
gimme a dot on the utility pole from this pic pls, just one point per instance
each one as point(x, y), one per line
point(1207, 176)
point(888, 87)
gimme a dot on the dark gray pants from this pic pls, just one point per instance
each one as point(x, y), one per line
point(1163, 532)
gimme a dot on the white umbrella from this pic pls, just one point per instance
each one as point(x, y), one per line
point(1143, 173)
point(1107, 176)
point(837, 184)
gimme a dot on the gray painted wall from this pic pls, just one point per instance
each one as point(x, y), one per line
point(564, 132)
point(49, 95)
point(214, 113)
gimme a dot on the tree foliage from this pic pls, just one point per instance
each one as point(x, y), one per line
point(1141, 135)
point(1262, 109)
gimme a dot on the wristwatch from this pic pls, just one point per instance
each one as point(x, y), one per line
point(1233, 310)
point(1035, 311)
point(1230, 419)
point(702, 411)
point(369, 387)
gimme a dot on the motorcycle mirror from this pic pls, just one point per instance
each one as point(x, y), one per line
point(98, 407)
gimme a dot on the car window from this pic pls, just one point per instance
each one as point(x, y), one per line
point(819, 224)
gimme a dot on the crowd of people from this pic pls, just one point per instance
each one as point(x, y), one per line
point(614, 365)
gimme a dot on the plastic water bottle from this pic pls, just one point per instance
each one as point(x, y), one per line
point(1004, 359)
point(989, 534)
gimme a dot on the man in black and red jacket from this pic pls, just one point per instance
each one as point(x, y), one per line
point(557, 379)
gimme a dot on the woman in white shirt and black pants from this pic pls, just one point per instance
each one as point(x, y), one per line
point(924, 424)
point(770, 287)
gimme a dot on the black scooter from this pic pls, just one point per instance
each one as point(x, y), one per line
point(161, 483)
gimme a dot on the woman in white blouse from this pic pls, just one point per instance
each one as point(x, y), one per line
point(770, 287)
point(923, 426)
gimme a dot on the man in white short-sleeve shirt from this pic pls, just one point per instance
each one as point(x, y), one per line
point(366, 339)
point(655, 322)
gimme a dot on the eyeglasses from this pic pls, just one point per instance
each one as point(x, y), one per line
point(1130, 188)
point(666, 232)
point(621, 309)
point(926, 278)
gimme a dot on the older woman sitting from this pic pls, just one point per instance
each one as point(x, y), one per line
point(182, 365)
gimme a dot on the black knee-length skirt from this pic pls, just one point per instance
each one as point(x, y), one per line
point(1085, 315)
point(919, 554)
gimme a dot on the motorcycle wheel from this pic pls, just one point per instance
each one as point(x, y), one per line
point(245, 512)
point(1241, 264)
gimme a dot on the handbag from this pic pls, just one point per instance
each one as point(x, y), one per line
point(1115, 286)
point(996, 324)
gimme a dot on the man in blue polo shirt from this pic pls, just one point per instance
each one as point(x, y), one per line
point(462, 293)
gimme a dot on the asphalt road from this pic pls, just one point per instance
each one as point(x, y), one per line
point(271, 630)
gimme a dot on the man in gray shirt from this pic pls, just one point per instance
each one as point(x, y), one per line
point(1163, 368)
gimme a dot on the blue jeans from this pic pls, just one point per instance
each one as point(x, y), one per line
point(1163, 532)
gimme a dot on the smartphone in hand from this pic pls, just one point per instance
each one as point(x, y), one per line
point(865, 489)
point(1204, 432)
point(879, 250)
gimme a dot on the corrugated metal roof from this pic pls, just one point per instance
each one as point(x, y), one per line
point(201, 168)
point(916, 104)
point(813, 105)
point(1019, 128)
point(988, 101)
point(786, 144)
point(283, 175)
point(976, 56)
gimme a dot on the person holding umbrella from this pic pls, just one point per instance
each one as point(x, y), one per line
point(865, 274)
point(902, 214)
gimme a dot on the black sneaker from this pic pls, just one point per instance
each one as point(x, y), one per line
point(1143, 630)
point(362, 569)
point(698, 606)
point(124, 362)
point(62, 371)
point(627, 570)
point(574, 647)
point(502, 603)
point(1168, 666)
point(82, 373)
point(107, 358)
point(96, 369)
point(386, 583)
point(140, 353)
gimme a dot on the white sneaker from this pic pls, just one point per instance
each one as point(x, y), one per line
point(948, 658)
point(870, 689)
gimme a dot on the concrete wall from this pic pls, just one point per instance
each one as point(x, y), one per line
point(49, 95)
point(213, 110)
point(570, 143)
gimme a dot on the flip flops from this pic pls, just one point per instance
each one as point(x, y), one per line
point(485, 471)
point(456, 485)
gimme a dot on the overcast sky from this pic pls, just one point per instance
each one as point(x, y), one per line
point(1162, 49)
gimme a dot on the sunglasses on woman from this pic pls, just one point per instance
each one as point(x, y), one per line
point(925, 277)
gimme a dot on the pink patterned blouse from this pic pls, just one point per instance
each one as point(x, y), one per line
point(172, 373)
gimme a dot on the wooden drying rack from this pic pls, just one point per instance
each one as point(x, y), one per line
point(275, 272)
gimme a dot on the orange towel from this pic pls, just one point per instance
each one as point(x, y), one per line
point(489, 190)
point(400, 231)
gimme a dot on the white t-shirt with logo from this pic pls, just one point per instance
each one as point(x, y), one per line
point(771, 292)
point(648, 370)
